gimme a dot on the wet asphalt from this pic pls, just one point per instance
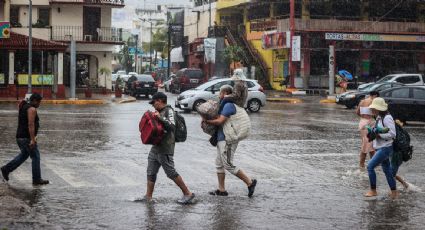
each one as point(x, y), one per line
point(304, 157)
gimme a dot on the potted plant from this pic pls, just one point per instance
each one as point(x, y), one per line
point(118, 87)
point(90, 83)
point(105, 72)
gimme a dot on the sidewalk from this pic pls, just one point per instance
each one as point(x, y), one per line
point(288, 97)
point(97, 99)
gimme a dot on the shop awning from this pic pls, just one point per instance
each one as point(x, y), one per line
point(176, 55)
point(20, 42)
point(221, 4)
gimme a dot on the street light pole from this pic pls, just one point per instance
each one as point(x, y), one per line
point(30, 48)
point(209, 28)
point(150, 49)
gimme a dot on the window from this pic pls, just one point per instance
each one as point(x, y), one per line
point(383, 87)
point(217, 86)
point(250, 84)
point(401, 93)
point(43, 17)
point(14, 17)
point(408, 79)
point(418, 93)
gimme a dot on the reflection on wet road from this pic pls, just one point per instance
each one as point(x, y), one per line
point(303, 155)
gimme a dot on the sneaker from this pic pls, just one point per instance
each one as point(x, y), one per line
point(144, 199)
point(251, 188)
point(186, 199)
point(40, 182)
point(5, 174)
point(218, 193)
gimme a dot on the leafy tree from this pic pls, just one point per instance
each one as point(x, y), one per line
point(125, 58)
point(233, 54)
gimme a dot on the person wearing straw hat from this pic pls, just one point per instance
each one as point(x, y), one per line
point(383, 143)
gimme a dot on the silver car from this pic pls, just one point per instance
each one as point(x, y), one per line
point(191, 99)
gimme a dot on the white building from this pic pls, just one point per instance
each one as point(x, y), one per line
point(88, 22)
point(197, 21)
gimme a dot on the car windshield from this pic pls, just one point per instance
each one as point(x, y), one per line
point(385, 79)
point(145, 78)
point(207, 84)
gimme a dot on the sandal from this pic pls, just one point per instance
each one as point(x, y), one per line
point(218, 193)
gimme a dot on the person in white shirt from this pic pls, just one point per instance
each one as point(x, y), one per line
point(383, 144)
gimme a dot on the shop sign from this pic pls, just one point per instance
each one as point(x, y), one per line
point(296, 48)
point(36, 79)
point(2, 79)
point(374, 37)
point(275, 40)
point(4, 30)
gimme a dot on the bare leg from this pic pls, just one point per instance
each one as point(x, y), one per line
point(179, 182)
point(149, 189)
point(221, 179)
point(402, 181)
point(241, 175)
point(362, 160)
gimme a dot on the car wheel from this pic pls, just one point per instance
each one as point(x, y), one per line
point(197, 103)
point(254, 105)
point(147, 96)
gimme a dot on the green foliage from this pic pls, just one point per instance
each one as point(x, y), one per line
point(233, 53)
point(126, 60)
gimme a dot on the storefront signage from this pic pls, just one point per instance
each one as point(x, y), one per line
point(296, 48)
point(374, 37)
point(4, 30)
point(210, 47)
point(275, 40)
point(229, 3)
point(2, 79)
point(36, 79)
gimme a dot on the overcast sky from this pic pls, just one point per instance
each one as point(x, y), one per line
point(122, 18)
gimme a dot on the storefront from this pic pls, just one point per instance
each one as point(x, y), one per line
point(47, 67)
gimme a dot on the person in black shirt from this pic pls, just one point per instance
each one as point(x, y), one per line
point(28, 125)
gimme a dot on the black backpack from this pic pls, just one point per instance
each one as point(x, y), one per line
point(401, 143)
point(181, 130)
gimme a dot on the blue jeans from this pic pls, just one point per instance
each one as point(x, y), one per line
point(26, 152)
point(382, 156)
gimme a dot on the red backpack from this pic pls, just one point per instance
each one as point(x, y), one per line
point(151, 129)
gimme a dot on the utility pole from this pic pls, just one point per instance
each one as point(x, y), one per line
point(30, 48)
point(209, 28)
point(135, 55)
point(169, 48)
point(291, 32)
point(73, 68)
point(150, 49)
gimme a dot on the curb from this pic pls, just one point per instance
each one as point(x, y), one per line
point(327, 101)
point(285, 100)
point(126, 100)
point(63, 102)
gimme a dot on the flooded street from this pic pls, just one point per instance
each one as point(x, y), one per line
point(304, 157)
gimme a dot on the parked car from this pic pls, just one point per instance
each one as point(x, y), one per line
point(167, 83)
point(142, 84)
point(405, 78)
point(352, 98)
point(191, 99)
point(187, 78)
point(406, 103)
point(121, 72)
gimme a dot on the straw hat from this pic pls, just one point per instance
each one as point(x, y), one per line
point(379, 104)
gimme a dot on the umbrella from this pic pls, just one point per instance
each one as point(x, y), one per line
point(346, 74)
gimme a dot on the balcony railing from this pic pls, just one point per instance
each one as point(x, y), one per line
point(324, 25)
point(90, 2)
point(102, 34)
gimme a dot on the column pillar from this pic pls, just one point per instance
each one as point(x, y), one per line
point(305, 9)
point(365, 63)
point(365, 10)
point(6, 12)
point(305, 61)
point(61, 87)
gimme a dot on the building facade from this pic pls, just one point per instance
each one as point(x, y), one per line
point(88, 22)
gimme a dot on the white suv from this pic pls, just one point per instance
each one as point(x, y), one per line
point(191, 99)
point(406, 79)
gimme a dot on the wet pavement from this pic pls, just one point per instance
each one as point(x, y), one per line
point(303, 155)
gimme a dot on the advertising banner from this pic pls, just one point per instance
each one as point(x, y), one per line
point(275, 40)
point(210, 47)
point(4, 30)
point(36, 79)
point(296, 48)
